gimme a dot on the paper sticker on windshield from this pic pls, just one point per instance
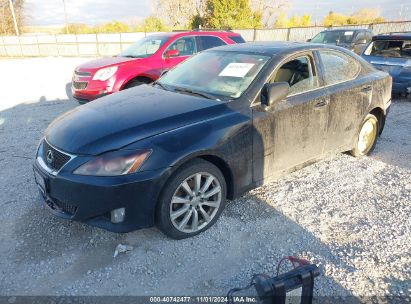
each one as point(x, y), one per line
point(236, 69)
point(348, 33)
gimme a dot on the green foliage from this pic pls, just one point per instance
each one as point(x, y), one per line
point(231, 14)
point(362, 16)
point(282, 21)
point(153, 24)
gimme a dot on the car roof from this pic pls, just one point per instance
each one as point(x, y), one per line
point(393, 36)
point(273, 48)
point(346, 29)
point(196, 32)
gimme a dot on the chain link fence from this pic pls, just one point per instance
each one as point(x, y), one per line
point(95, 45)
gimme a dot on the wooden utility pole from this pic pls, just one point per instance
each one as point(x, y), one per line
point(16, 28)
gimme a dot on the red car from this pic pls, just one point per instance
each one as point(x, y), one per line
point(143, 62)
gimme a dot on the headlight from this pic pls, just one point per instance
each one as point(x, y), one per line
point(105, 73)
point(114, 163)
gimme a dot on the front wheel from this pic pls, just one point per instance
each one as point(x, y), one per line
point(367, 137)
point(192, 200)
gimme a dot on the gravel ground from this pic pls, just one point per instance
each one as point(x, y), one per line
point(350, 216)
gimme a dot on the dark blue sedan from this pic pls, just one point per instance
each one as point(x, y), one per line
point(392, 54)
point(218, 125)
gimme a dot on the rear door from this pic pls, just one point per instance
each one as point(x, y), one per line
point(208, 42)
point(350, 95)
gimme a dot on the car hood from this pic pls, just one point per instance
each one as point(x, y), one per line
point(103, 62)
point(117, 120)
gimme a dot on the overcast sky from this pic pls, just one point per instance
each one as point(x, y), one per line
point(50, 12)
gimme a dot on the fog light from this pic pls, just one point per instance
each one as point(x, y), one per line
point(117, 215)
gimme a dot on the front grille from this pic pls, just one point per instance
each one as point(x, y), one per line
point(82, 74)
point(54, 158)
point(57, 205)
point(80, 85)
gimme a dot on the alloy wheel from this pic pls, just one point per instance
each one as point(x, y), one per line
point(367, 135)
point(195, 202)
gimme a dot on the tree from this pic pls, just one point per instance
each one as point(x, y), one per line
point(306, 20)
point(334, 19)
point(362, 16)
point(365, 15)
point(281, 21)
point(153, 24)
point(6, 17)
point(269, 10)
point(176, 13)
point(232, 14)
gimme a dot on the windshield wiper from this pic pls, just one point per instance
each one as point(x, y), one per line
point(205, 95)
point(157, 83)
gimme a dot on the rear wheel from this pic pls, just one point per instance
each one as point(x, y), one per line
point(192, 200)
point(367, 137)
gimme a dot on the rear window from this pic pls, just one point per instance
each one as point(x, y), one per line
point(389, 48)
point(237, 39)
point(338, 67)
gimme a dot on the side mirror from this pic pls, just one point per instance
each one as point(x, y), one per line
point(172, 53)
point(275, 92)
point(308, 40)
point(337, 42)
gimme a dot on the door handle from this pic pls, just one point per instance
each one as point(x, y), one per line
point(366, 89)
point(321, 104)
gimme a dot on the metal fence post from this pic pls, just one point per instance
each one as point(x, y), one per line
point(38, 45)
point(97, 46)
point(78, 46)
point(255, 34)
point(288, 33)
point(57, 45)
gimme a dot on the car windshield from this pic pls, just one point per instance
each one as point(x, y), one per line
point(333, 36)
point(144, 47)
point(390, 48)
point(215, 74)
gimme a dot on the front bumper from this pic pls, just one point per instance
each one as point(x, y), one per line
point(84, 96)
point(90, 199)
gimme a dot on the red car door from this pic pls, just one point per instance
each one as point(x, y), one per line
point(179, 51)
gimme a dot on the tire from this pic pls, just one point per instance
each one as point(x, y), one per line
point(136, 83)
point(178, 211)
point(366, 137)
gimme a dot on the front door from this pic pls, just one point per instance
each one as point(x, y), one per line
point(292, 132)
point(185, 47)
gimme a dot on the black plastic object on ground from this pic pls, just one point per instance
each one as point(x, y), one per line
point(297, 284)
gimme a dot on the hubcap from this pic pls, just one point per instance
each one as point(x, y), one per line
point(367, 136)
point(195, 202)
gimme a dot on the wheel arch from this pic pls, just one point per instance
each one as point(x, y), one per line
point(379, 113)
point(143, 78)
point(217, 161)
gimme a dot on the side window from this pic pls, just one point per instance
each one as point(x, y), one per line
point(338, 67)
point(237, 39)
point(208, 42)
point(186, 46)
point(299, 74)
point(360, 36)
point(368, 36)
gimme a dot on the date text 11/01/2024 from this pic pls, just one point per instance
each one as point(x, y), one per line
point(202, 299)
